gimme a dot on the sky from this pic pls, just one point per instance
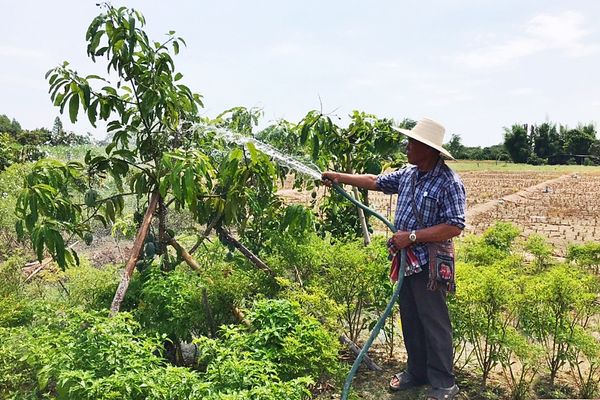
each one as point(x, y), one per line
point(475, 66)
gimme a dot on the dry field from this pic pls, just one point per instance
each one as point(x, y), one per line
point(565, 210)
point(561, 204)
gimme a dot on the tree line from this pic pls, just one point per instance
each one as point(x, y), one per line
point(536, 144)
point(21, 145)
point(550, 143)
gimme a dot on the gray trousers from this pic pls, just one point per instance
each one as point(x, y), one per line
point(427, 331)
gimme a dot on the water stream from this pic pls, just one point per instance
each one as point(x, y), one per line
point(285, 160)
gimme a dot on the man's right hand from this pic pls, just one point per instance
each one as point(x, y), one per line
point(329, 178)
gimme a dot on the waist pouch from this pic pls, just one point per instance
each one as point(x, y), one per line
point(441, 266)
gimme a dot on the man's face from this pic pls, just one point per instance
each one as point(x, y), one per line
point(417, 152)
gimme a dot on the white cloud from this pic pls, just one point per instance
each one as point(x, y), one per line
point(563, 32)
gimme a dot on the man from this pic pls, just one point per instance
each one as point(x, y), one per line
point(430, 210)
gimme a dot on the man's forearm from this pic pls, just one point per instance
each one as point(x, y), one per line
point(437, 233)
point(363, 181)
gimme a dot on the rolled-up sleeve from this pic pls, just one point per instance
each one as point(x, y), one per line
point(453, 210)
point(389, 183)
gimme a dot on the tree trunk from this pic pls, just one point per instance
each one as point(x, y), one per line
point(246, 252)
point(135, 252)
point(162, 234)
point(361, 213)
point(362, 219)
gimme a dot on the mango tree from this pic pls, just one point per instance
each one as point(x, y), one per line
point(369, 145)
point(153, 149)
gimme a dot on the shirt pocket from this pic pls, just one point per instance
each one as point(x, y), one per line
point(429, 208)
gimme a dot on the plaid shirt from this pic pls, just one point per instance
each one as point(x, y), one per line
point(439, 196)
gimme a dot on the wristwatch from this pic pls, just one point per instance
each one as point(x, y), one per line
point(412, 236)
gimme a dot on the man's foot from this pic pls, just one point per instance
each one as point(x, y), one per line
point(443, 393)
point(404, 380)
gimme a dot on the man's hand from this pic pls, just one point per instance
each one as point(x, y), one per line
point(329, 178)
point(400, 240)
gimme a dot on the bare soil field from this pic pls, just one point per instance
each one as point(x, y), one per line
point(561, 205)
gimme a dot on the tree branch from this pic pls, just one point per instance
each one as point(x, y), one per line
point(246, 252)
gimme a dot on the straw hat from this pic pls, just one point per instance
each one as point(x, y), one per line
point(430, 133)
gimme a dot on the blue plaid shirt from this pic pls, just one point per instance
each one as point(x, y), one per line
point(439, 196)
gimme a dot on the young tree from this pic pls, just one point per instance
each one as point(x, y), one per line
point(368, 145)
point(149, 113)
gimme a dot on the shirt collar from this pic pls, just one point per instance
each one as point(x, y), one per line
point(436, 171)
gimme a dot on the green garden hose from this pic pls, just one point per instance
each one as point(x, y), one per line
point(390, 305)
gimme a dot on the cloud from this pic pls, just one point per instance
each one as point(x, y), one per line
point(563, 32)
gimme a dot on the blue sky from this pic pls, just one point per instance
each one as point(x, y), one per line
point(473, 65)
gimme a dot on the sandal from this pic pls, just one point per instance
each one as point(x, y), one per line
point(404, 380)
point(443, 393)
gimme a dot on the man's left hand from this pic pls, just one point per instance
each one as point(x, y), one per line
point(401, 240)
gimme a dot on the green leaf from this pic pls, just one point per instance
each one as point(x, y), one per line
point(86, 95)
point(176, 48)
point(73, 108)
point(315, 148)
point(178, 76)
point(19, 228)
point(304, 133)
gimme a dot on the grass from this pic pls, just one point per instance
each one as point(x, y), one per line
point(503, 166)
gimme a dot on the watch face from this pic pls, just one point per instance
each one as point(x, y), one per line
point(412, 237)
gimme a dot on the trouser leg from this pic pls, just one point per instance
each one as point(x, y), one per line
point(435, 321)
point(412, 332)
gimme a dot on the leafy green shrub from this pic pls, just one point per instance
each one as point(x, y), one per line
point(349, 277)
point(541, 250)
point(586, 255)
point(89, 287)
point(494, 245)
point(481, 311)
point(78, 355)
point(584, 361)
point(171, 303)
point(283, 340)
point(501, 236)
point(298, 257)
point(15, 308)
point(555, 303)
point(520, 361)
point(11, 181)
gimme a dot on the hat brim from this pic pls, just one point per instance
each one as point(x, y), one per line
point(407, 132)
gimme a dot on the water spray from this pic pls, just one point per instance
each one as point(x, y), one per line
point(314, 172)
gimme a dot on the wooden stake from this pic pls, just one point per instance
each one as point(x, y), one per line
point(135, 252)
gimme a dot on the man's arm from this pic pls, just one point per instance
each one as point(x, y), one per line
point(362, 181)
point(436, 233)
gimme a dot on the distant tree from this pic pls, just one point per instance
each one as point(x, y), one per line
point(517, 144)
point(60, 137)
point(578, 141)
point(57, 128)
point(496, 152)
point(34, 137)
point(595, 149)
point(455, 147)
point(546, 140)
point(11, 127)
